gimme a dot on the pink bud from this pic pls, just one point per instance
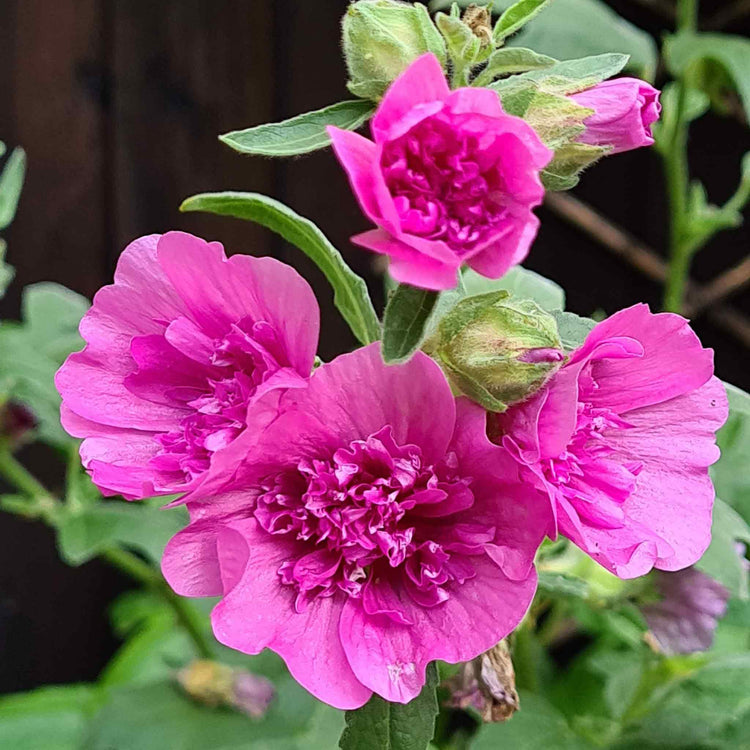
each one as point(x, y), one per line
point(624, 110)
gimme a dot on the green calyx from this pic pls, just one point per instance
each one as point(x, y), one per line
point(381, 38)
point(497, 350)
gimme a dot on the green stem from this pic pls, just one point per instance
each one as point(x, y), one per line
point(19, 477)
point(142, 572)
point(44, 504)
point(677, 177)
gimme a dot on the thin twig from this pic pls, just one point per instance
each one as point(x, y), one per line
point(721, 287)
point(640, 256)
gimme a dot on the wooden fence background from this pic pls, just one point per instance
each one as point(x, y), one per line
point(118, 104)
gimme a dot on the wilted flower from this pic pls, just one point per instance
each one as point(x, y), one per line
point(214, 684)
point(621, 439)
point(624, 111)
point(449, 179)
point(685, 620)
point(487, 684)
point(497, 350)
point(17, 422)
point(177, 349)
point(365, 533)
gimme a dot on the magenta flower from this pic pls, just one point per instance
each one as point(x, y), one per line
point(449, 179)
point(365, 533)
point(624, 111)
point(621, 439)
point(176, 350)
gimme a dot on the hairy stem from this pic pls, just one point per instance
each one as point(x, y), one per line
point(678, 180)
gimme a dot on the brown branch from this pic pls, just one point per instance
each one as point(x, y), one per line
point(646, 260)
point(721, 287)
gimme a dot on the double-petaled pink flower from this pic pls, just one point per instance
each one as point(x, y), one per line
point(177, 349)
point(621, 439)
point(624, 111)
point(450, 178)
point(365, 532)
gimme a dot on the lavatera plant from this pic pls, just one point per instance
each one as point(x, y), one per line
point(409, 525)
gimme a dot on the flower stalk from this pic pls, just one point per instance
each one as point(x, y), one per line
point(44, 505)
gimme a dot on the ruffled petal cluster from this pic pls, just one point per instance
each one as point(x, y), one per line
point(621, 439)
point(369, 528)
point(449, 179)
point(177, 349)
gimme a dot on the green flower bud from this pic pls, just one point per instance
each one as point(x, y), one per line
point(497, 350)
point(381, 38)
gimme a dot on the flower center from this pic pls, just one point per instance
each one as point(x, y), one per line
point(446, 182)
point(240, 363)
point(370, 510)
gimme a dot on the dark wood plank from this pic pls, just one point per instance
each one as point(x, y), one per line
point(52, 104)
point(185, 72)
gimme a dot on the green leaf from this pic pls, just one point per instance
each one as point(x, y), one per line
point(52, 718)
point(6, 270)
point(573, 328)
point(405, 321)
point(516, 17)
point(721, 560)
point(349, 290)
point(158, 716)
point(569, 76)
point(301, 134)
point(697, 711)
point(394, 726)
point(511, 60)
point(143, 526)
point(691, 54)
point(33, 350)
point(520, 282)
point(11, 182)
point(730, 476)
point(563, 585)
point(537, 725)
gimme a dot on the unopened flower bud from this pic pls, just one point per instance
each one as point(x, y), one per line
point(497, 350)
point(624, 111)
point(214, 684)
point(381, 38)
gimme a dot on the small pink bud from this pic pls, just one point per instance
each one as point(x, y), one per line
point(16, 423)
point(624, 110)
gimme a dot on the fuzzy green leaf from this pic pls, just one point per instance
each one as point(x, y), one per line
point(349, 290)
point(516, 17)
point(573, 328)
point(300, 134)
point(11, 182)
point(511, 60)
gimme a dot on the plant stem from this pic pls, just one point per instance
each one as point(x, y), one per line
point(19, 477)
point(142, 572)
point(678, 180)
point(44, 504)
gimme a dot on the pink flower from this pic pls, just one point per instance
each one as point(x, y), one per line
point(621, 439)
point(176, 350)
point(365, 533)
point(624, 110)
point(449, 179)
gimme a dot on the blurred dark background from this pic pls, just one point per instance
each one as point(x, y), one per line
point(118, 105)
